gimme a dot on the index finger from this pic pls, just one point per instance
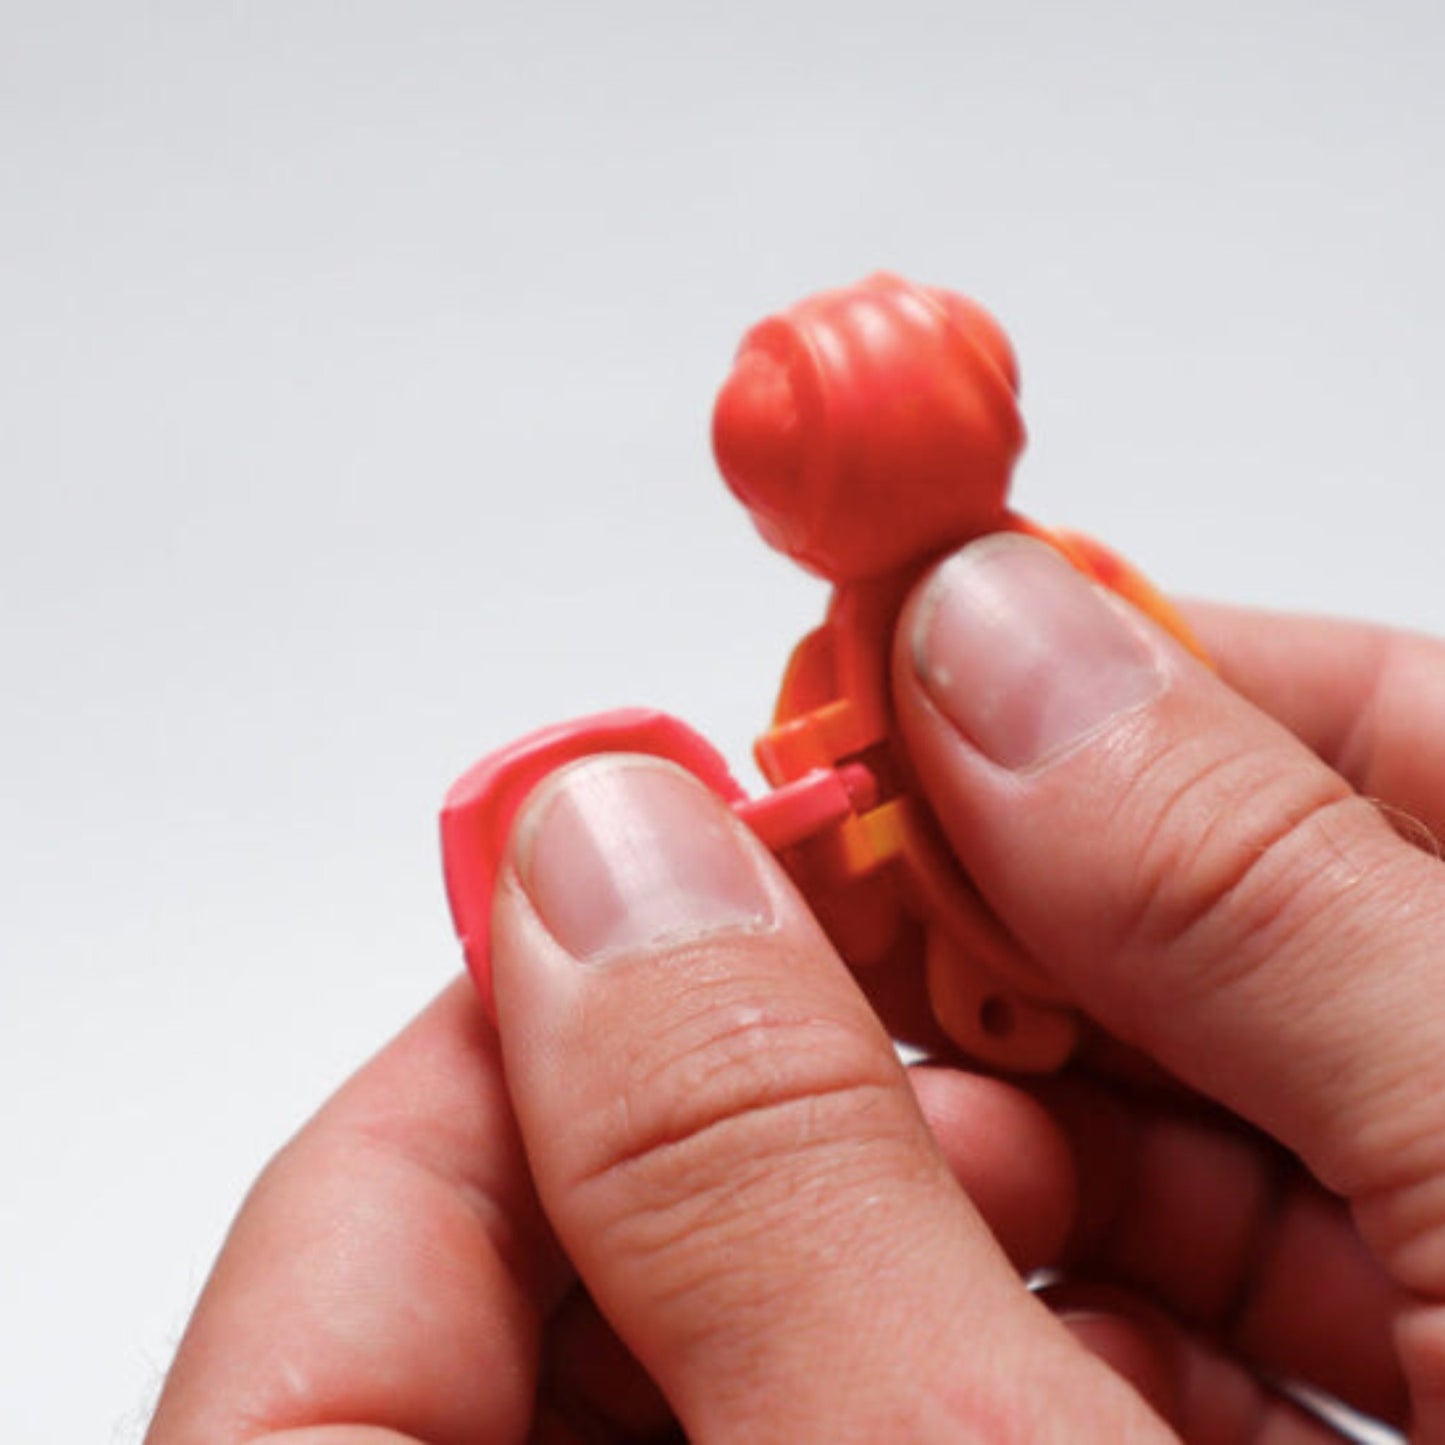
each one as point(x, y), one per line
point(390, 1268)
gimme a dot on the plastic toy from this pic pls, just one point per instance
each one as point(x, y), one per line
point(868, 431)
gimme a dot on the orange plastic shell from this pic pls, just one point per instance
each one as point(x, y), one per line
point(870, 431)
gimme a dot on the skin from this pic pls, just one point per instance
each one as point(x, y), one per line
point(683, 1184)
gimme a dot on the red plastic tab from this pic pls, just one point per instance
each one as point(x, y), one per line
point(800, 810)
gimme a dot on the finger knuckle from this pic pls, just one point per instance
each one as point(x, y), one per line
point(1237, 857)
point(736, 1110)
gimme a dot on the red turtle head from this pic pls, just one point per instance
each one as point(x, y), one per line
point(868, 428)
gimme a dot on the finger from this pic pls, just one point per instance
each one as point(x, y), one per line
point(591, 1380)
point(1002, 1147)
point(1220, 1227)
point(1010, 1157)
point(1368, 700)
point(728, 1148)
point(389, 1270)
point(1202, 1391)
point(1211, 1220)
point(1209, 890)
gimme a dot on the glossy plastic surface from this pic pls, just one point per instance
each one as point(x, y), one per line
point(832, 400)
point(868, 431)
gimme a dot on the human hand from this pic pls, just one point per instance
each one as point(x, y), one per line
point(1218, 882)
point(727, 1148)
point(737, 1170)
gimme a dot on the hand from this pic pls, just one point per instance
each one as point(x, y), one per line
point(726, 1146)
point(1250, 895)
point(710, 1144)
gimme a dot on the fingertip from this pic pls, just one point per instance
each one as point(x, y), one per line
point(616, 863)
point(1022, 655)
point(620, 852)
point(1010, 1157)
point(1140, 1350)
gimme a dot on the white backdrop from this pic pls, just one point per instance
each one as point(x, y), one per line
point(355, 367)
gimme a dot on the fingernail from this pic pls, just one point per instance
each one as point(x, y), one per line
point(618, 853)
point(1024, 655)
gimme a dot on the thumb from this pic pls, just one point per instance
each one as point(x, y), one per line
point(729, 1151)
point(1198, 880)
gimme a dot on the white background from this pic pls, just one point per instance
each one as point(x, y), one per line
point(355, 367)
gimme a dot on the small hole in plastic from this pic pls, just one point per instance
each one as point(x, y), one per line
point(996, 1015)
